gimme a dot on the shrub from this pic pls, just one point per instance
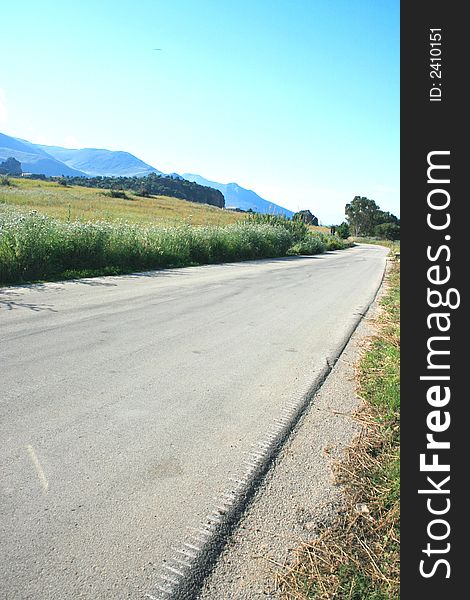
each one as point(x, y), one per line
point(332, 242)
point(296, 228)
point(387, 231)
point(343, 231)
point(116, 194)
point(316, 243)
point(144, 192)
point(311, 244)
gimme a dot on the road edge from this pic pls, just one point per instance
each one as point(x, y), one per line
point(182, 577)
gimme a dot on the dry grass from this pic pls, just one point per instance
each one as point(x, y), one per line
point(72, 203)
point(357, 557)
point(319, 229)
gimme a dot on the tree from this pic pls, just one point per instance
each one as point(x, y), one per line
point(387, 217)
point(362, 214)
point(387, 231)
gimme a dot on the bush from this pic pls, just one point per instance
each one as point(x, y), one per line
point(143, 192)
point(387, 231)
point(312, 244)
point(296, 228)
point(332, 242)
point(327, 241)
point(343, 231)
point(116, 194)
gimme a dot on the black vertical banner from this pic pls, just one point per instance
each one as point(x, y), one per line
point(434, 255)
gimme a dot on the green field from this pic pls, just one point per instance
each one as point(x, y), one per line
point(90, 204)
point(50, 231)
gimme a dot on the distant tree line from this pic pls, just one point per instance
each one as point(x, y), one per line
point(153, 185)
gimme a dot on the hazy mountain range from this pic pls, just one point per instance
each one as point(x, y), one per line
point(94, 161)
point(33, 159)
point(90, 162)
point(238, 197)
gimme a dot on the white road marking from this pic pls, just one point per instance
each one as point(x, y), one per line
point(37, 465)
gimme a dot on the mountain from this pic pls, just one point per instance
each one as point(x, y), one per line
point(238, 197)
point(92, 162)
point(108, 163)
point(33, 158)
point(54, 160)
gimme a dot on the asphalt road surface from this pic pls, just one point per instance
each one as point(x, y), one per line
point(126, 402)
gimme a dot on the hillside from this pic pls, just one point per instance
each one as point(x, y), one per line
point(92, 204)
point(239, 197)
point(155, 185)
point(34, 159)
point(93, 161)
point(56, 161)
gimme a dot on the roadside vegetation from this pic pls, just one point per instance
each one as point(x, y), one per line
point(357, 556)
point(37, 247)
point(365, 218)
point(393, 245)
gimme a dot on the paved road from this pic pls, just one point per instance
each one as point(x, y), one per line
point(126, 402)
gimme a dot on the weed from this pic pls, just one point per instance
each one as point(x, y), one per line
point(357, 557)
point(36, 247)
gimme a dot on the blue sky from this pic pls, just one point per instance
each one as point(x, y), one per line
point(297, 100)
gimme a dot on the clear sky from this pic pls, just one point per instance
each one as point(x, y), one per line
point(295, 99)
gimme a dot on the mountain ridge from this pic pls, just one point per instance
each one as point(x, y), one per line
point(99, 161)
point(239, 197)
point(33, 159)
point(93, 162)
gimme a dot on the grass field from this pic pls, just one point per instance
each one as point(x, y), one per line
point(88, 204)
point(357, 557)
point(319, 229)
point(50, 231)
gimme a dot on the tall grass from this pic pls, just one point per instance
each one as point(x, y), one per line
point(317, 243)
point(298, 229)
point(36, 247)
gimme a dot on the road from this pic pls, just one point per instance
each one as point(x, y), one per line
point(126, 403)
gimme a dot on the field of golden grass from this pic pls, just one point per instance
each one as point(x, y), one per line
point(69, 203)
